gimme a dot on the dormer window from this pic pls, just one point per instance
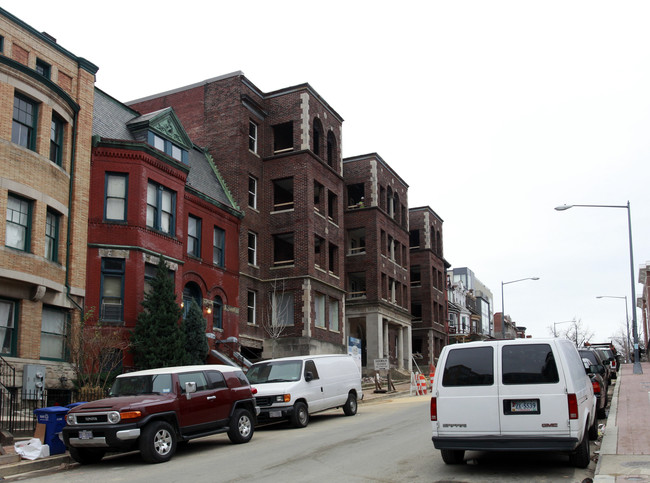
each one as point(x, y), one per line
point(168, 147)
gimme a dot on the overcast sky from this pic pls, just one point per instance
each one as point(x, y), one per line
point(493, 112)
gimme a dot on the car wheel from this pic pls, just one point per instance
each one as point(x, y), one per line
point(157, 442)
point(601, 413)
point(87, 456)
point(300, 416)
point(350, 408)
point(453, 456)
point(580, 457)
point(241, 426)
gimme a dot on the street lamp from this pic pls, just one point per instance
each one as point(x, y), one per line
point(637, 363)
point(627, 321)
point(503, 312)
point(566, 322)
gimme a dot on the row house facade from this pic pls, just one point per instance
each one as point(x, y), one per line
point(429, 305)
point(377, 309)
point(279, 152)
point(155, 194)
point(46, 105)
point(482, 302)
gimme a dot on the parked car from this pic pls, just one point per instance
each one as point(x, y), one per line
point(596, 359)
point(609, 356)
point(294, 387)
point(153, 410)
point(513, 395)
point(600, 387)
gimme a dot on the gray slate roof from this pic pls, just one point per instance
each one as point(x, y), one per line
point(110, 119)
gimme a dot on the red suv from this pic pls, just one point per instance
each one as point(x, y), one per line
point(155, 409)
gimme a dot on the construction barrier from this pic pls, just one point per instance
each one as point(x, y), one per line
point(422, 385)
point(432, 373)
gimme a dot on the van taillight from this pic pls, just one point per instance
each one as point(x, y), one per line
point(573, 406)
point(596, 386)
point(434, 409)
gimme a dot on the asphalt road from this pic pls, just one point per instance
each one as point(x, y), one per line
point(387, 441)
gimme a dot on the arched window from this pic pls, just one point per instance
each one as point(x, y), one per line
point(389, 201)
point(318, 137)
point(217, 313)
point(331, 149)
point(191, 292)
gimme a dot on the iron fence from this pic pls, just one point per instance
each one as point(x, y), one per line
point(17, 406)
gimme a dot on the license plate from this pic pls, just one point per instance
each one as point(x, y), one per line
point(84, 434)
point(275, 414)
point(524, 406)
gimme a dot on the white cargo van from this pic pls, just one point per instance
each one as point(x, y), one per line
point(513, 395)
point(294, 387)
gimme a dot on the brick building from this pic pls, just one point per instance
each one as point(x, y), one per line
point(377, 310)
point(279, 152)
point(428, 284)
point(154, 193)
point(46, 105)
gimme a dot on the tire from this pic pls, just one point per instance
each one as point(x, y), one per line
point(300, 416)
point(580, 457)
point(350, 408)
point(241, 426)
point(601, 413)
point(87, 456)
point(453, 456)
point(593, 431)
point(157, 442)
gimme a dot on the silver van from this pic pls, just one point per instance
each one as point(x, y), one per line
point(513, 395)
point(294, 387)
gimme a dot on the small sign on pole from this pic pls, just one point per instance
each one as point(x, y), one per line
point(382, 365)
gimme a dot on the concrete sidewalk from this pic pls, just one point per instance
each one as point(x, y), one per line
point(625, 449)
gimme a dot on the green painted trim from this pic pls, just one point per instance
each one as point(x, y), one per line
point(40, 79)
point(238, 211)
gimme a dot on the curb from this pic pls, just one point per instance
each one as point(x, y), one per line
point(610, 439)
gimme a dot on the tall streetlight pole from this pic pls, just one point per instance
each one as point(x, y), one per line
point(503, 312)
point(627, 322)
point(637, 363)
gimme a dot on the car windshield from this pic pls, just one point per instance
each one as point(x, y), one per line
point(267, 372)
point(136, 385)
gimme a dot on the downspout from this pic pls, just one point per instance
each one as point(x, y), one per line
point(69, 228)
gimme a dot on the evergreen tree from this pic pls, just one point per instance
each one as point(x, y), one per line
point(196, 344)
point(158, 340)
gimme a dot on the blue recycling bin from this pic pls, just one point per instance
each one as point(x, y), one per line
point(54, 420)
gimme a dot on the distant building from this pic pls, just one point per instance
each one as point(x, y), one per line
point(376, 220)
point(428, 282)
point(46, 111)
point(482, 304)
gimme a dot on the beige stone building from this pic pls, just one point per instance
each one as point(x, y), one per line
point(46, 112)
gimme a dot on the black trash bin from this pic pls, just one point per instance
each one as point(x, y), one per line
point(54, 420)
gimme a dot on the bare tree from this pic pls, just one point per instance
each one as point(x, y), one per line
point(96, 352)
point(277, 310)
point(576, 332)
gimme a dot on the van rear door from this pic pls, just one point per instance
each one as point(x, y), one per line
point(470, 402)
point(533, 391)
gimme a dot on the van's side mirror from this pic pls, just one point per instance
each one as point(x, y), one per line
point(309, 376)
point(190, 387)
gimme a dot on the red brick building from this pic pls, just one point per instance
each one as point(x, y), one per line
point(154, 193)
point(280, 154)
point(377, 309)
point(428, 284)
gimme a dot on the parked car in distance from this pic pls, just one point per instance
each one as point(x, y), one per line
point(155, 409)
point(611, 354)
point(294, 387)
point(600, 387)
point(597, 359)
point(513, 395)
